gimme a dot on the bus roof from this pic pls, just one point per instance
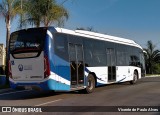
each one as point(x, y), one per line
point(99, 36)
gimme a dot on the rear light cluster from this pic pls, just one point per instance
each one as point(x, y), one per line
point(46, 67)
point(9, 69)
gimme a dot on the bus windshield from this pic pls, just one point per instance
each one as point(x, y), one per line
point(25, 41)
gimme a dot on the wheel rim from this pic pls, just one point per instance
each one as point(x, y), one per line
point(135, 76)
point(90, 83)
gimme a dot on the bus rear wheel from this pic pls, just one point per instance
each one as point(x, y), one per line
point(135, 78)
point(90, 84)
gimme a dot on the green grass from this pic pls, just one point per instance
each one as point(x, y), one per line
point(152, 74)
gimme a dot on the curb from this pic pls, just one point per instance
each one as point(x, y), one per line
point(4, 90)
point(153, 76)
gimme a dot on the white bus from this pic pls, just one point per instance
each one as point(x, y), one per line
point(51, 58)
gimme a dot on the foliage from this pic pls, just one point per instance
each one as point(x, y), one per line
point(8, 10)
point(44, 12)
point(152, 58)
point(156, 68)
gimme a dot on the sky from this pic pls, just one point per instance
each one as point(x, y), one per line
point(138, 20)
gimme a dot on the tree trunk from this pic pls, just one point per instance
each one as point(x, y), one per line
point(37, 23)
point(8, 26)
point(45, 21)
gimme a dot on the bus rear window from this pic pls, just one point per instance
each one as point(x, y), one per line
point(27, 41)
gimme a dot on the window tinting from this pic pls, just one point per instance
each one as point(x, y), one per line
point(61, 45)
point(121, 55)
point(94, 53)
point(99, 53)
point(25, 39)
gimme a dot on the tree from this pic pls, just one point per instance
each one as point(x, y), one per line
point(33, 12)
point(8, 10)
point(54, 13)
point(152, 57)
point(44, 12)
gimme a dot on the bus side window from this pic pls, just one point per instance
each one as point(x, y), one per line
point(61, 48)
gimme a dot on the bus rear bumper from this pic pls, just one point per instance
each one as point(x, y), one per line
point(49, 84)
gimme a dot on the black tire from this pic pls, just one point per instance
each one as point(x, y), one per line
point(135, 78)
point(90, 84)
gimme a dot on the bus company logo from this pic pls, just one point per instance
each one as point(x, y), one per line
point(12, 62)
point(20, 67)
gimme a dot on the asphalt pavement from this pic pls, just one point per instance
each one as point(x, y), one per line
point(111, 99)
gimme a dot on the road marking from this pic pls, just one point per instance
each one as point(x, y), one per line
point(14, 92)
point(48, 102)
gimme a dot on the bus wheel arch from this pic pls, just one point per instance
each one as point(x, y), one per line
point(135, 77)
point(91, 83)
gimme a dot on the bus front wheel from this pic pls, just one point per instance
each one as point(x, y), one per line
point(90, 84)
point(135, 78)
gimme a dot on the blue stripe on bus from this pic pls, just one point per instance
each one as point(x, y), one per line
point(121, 80)
point(86, 69)
point(99, 84)
point(47, 85)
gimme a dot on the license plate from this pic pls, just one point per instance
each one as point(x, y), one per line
point(28, 87)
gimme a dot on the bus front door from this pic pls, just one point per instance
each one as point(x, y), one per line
point(76, 65)
point(111, 62)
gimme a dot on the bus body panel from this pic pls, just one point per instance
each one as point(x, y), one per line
point(60, 69)
point(123, 74)
point(28, 69)
point(59, 78)
point(53, 82)
point(49, 84)
point(101, 74)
